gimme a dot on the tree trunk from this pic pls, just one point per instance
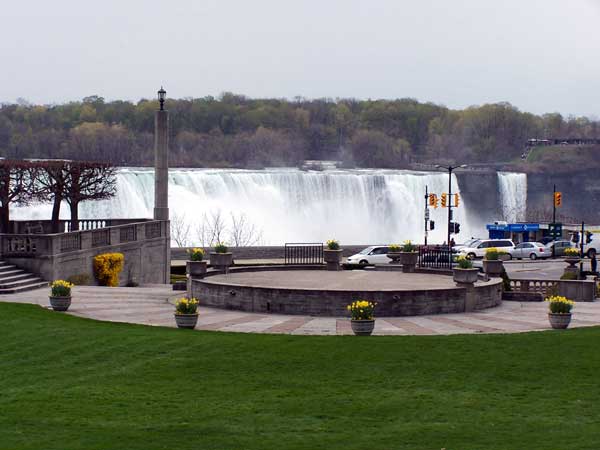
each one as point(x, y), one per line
point(56, 215)
point(4, 219)
point(74, 216)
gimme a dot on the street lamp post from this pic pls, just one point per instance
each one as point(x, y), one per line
point(450, 169)
point(161, 98)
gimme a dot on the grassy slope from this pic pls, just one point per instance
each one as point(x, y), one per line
point(564, 158)
point(68, 383)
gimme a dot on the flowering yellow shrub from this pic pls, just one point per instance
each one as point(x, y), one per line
point(107, 268)
point(361, 310)
point(571, 251)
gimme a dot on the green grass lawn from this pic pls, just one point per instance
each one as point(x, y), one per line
point(69, 383)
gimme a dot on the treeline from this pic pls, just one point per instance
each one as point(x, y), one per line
point(236, 131)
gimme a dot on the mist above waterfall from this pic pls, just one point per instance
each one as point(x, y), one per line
point(289, 205)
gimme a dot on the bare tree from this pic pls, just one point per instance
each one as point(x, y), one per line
point(244, 233)
point(88, 181)
point(211, 229)
point(17, 180)
point(180, 230)
point(50, 187)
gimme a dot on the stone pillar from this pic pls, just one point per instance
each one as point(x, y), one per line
point(161, 165)
point(161, 185)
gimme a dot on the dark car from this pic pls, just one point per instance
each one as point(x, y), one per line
point(559, 247)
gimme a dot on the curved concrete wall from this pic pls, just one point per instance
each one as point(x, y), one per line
point(333, 303)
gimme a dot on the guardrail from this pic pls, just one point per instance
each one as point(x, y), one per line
point(435, 257)
point(303, 253)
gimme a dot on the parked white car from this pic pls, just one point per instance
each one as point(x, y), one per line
point(478, 249)
point(376, 254)
point(470, 243)
point(531, 250)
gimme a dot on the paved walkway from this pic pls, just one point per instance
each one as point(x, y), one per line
point(153, 305)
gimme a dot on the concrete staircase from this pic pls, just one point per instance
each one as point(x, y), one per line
point(13, 279)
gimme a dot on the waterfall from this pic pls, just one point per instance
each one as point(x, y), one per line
point(288, 205)
point(513, 195)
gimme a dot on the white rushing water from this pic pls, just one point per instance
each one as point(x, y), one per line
point(512, 188)
point(288, 205)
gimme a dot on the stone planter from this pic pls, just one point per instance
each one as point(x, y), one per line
point(465, 276)
point(394, 256)
point(408, 261)
point(221, 259)
point(195, 268)
point(571, 262)
point(60, 303)
point(559, 321)
point(333, 258)
point(493, 267)
point(362, 327)
point(186, 320)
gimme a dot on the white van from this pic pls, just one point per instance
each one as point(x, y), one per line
point(479, 248)
point(590, 250)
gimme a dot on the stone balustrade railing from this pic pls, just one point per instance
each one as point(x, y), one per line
point(45, 226)
point(541, 286)
point(577, 290)
point(26, 245)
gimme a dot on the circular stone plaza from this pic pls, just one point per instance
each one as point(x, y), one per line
point(324, 293)
point(317, 298)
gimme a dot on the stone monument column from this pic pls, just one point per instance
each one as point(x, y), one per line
point(161, 160)
point(161, 181)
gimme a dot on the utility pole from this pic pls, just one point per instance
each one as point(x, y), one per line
point(581, 244)
point(426, 213)
point(449, 208)
point(554, 222)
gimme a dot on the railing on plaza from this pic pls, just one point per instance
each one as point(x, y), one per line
point(543, 287)
point(33, 245)
point(64, 226)
point(435, 257)
point(303, 253)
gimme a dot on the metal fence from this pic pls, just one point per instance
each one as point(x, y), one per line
point(303, 253)
point(435, 257)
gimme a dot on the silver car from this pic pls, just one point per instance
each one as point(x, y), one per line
point(531, 250)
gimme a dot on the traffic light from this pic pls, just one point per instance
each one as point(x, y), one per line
point(433, 200)
point(456, 227)
point(557, 198)
point(444, 200)
point(431, 225)
point(456, 200)
point(588, 237)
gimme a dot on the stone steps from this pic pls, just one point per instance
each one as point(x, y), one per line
point(13, 280)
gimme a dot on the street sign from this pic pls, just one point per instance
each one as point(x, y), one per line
point(427, 214)
point(555, 229)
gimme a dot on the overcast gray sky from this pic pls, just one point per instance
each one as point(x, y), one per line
point(540, 55)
